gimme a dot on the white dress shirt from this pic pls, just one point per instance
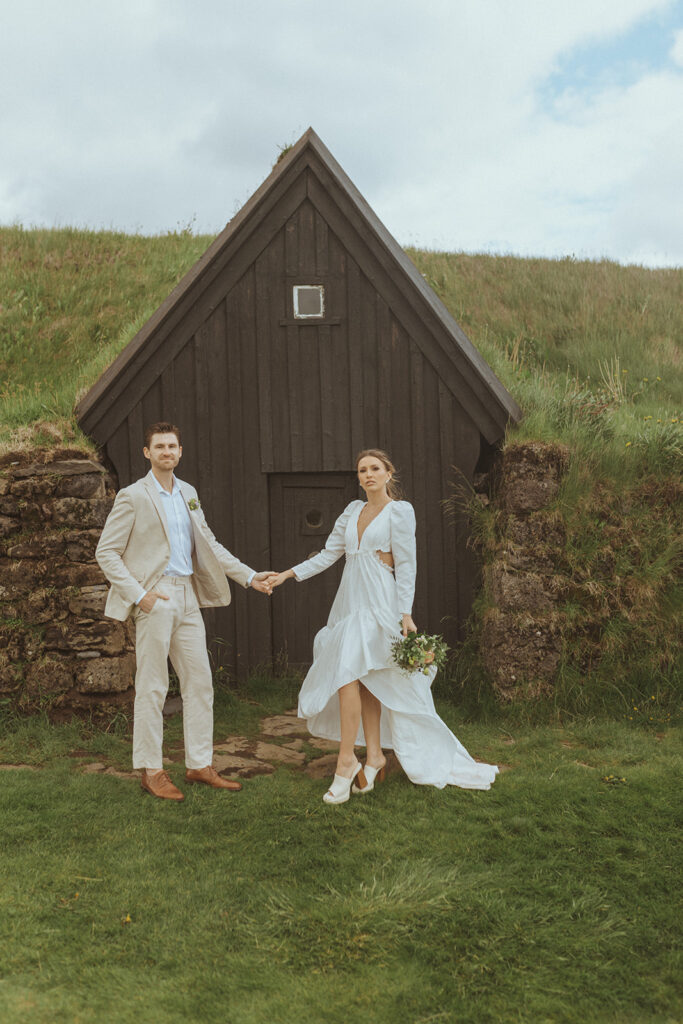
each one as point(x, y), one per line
point(180, 533)
point(179, 529)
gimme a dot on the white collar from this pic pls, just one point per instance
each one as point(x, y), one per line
point(162, 490)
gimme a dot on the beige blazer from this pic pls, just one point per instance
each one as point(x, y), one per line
point(135, 549)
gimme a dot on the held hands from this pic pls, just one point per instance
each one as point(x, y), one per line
point(281, 577)
point(264, 581)
point(408, 625)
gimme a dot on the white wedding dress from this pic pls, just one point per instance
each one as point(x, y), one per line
point(356, 644)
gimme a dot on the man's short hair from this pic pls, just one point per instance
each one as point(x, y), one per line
point(161, 428)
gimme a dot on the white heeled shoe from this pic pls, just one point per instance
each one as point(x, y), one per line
point(340, 790)
point(372, 775)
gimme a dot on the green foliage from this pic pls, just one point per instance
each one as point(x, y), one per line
point(550, 894)
point(591, 351)
point(71, 300)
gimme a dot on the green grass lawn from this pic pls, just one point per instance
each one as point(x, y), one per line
point(550, 898)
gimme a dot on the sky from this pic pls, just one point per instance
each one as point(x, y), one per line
point(526, 127)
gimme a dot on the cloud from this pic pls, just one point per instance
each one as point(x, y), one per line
point(457, 121)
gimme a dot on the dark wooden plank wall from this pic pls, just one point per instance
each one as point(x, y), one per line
point(327, 391)
point(255, 396)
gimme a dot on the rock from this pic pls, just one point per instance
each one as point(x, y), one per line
point(85, 512)
point(94, 766)
point(90, 601)
point(81, 544)
point(11, 678)
point(321, 767)
point(47, 676)
point(33, 488)
point(529, 495)
point(135, 774)
point(294, 745)
point(245, 767)
point(233, 745)
point(283, 725)
point(172, 706)
point(106, 636)
point(273, 752)
point(532, 472)
point(516, 591)
point(8, 526)
point(535, 530)
point(66, 467)
point(323, 744)
point(521, 652)
point(78, 576)
point(106, 675)
point(90, 485)
point(26, 550)
point(43, 605)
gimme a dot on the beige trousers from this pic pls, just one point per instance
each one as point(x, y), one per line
point(173, 629)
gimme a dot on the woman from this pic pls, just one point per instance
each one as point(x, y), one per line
point(354, 691)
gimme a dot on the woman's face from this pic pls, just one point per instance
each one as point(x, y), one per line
point(372, 475)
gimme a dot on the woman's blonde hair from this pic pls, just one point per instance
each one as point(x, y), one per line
point(393, 488)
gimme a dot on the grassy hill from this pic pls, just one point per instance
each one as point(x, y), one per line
point(590, 350)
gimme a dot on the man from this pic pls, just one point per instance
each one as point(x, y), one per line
point(164, 563)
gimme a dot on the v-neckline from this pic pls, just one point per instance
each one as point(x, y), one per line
point(374, 519)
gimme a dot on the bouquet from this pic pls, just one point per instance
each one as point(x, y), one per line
point(417, 652)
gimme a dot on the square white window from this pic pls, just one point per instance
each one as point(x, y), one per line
point(309, 301)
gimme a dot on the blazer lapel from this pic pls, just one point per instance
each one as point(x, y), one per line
point(156, 501)
point(196, 532)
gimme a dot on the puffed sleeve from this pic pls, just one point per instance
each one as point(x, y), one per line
point(403, 549)
point(333, 550)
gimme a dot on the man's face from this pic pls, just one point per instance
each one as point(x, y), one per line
point(164, 452)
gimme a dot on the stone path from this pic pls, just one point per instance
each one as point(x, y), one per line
point(282, 740)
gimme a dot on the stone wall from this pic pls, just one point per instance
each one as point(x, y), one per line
point(522, 631)
point(57, 651)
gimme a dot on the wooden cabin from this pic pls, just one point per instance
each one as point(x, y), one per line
point(303, 335)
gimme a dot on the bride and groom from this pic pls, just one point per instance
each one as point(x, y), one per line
point(164, 563)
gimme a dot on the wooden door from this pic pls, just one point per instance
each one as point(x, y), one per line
point(303, 510)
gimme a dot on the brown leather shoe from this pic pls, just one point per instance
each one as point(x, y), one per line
point(210, 777)
point(160, 785)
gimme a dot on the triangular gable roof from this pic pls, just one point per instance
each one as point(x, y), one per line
point(454, 356)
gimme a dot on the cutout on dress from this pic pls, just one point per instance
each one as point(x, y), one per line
point(386, 559)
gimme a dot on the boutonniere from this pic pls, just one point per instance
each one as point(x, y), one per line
point(193, 504)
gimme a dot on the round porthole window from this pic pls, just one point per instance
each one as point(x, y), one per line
point(314, 519)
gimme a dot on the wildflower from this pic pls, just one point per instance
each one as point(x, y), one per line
point(624, 371)
point(659, 421)
point(652, 697)
point(628, 444)
point(127, 919)
point(658, 378)
point(674, 420)
point(645, 380)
